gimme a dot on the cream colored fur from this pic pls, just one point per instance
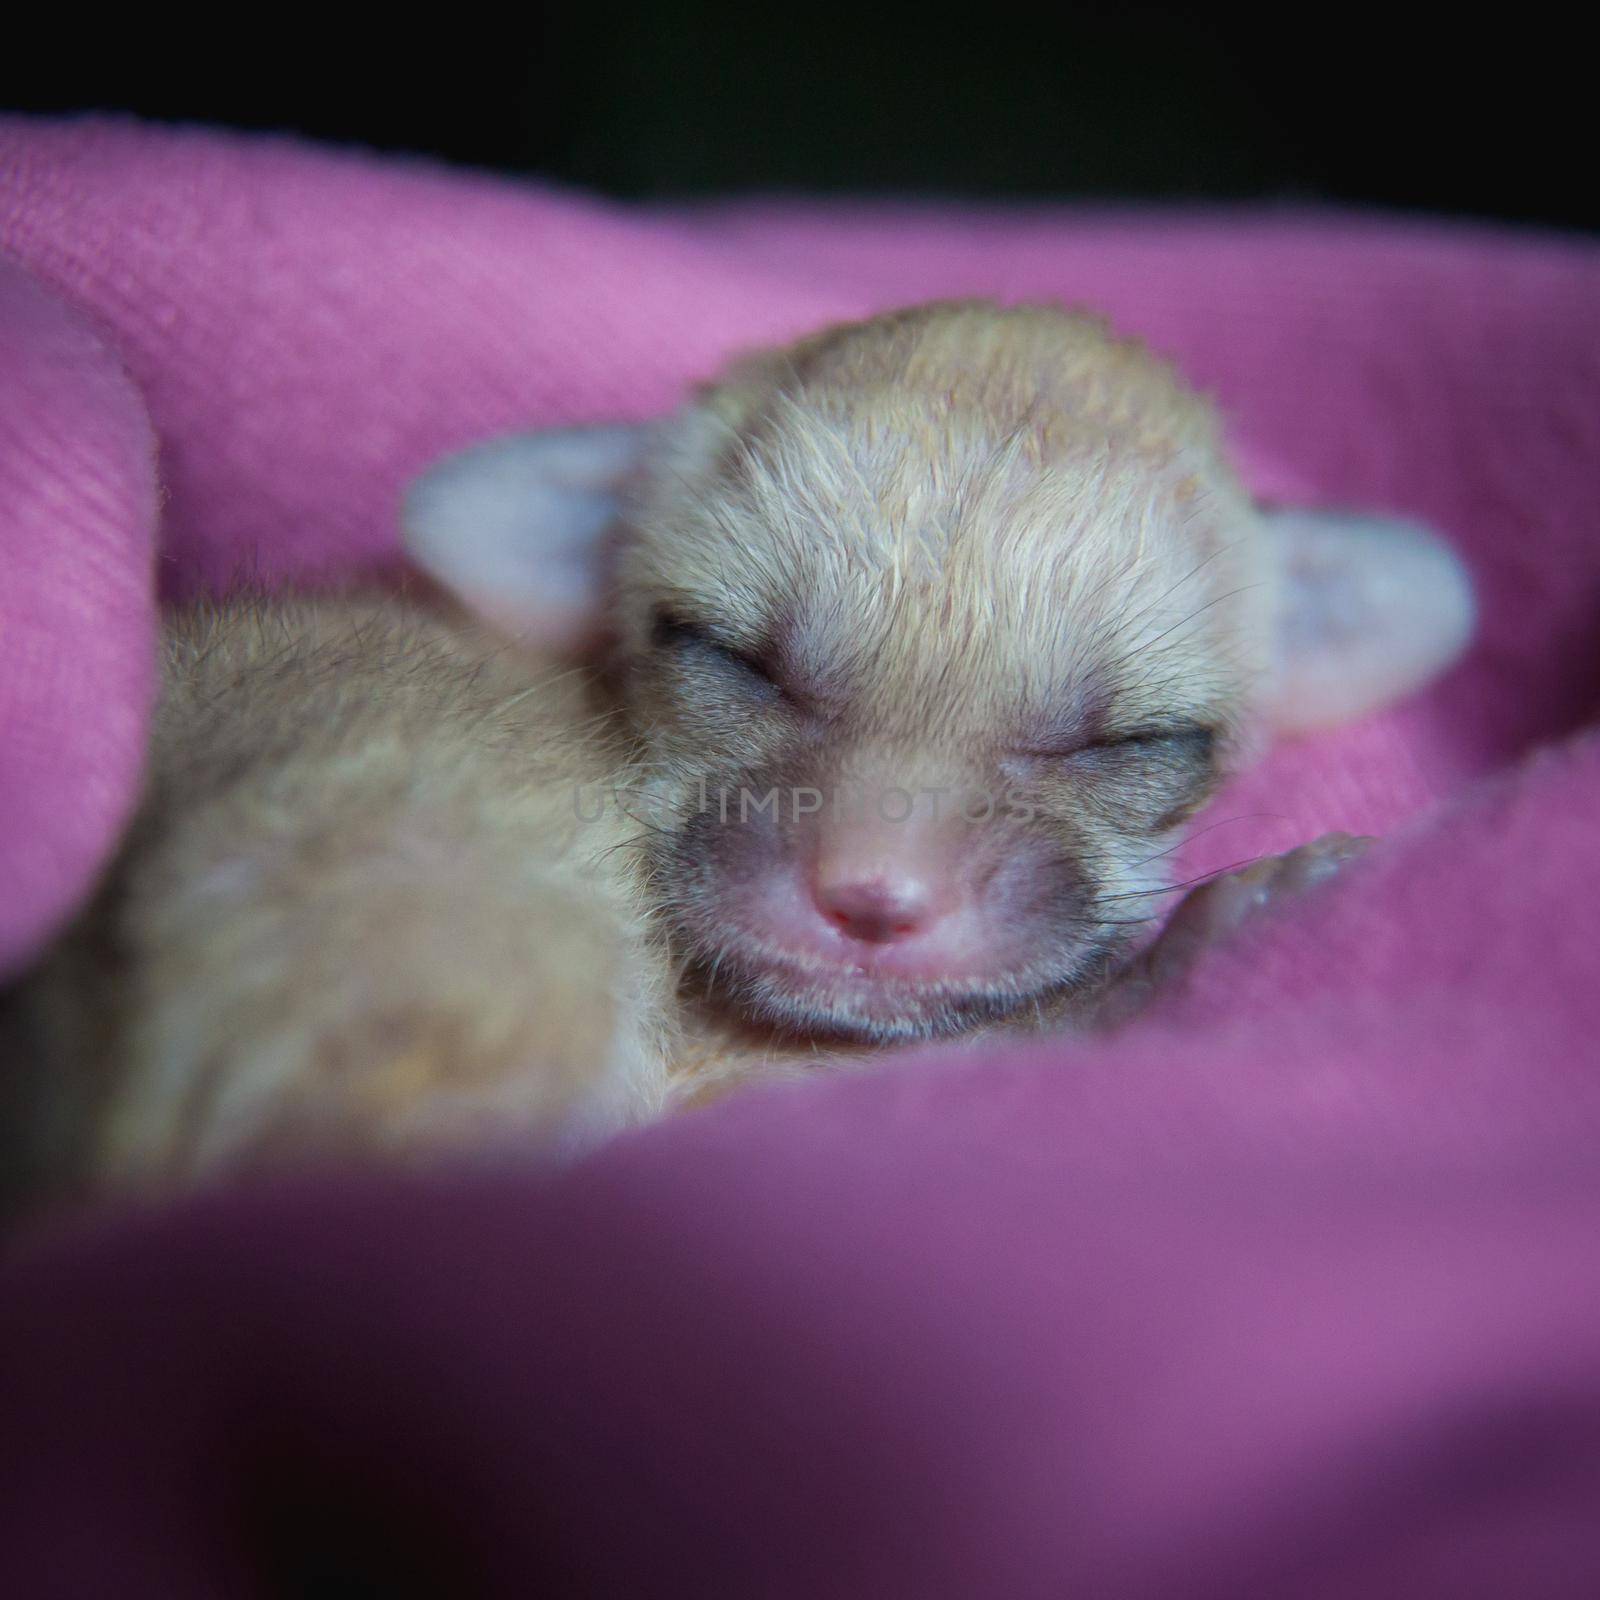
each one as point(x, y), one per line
point(395, 885)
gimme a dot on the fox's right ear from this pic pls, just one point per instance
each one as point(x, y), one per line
point(517, 528)
point(1369, 608)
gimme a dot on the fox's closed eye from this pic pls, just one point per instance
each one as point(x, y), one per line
point(1182, 756)
point(1191, 743)
point(1142, 779)
point(1150, 778)
point(672, 631)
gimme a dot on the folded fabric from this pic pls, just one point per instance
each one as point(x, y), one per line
point(1291, 1290)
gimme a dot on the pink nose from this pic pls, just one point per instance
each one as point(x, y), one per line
point(877, 910)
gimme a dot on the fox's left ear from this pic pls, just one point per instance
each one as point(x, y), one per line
point(517, 528)
point(1368, 609)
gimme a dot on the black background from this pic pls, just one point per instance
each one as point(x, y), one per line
point(1451, 112)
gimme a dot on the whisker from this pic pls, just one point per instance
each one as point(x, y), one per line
point(1188, 883)
point(1200, 833)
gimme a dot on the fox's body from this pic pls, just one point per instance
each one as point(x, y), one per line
point(358, 906)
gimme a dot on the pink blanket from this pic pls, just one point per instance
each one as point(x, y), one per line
point(1293, 1290)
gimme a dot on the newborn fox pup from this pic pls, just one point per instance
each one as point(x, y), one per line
point(912, 647)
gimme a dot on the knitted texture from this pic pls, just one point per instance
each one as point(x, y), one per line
point(1291, 1290)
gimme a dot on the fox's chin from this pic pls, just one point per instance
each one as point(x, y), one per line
point(848, 1006)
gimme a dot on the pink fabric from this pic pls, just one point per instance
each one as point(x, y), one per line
point(77, 530)
point(1292, 1290)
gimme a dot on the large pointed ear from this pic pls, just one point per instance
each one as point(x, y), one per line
point(1368, 609)
point(516, 529)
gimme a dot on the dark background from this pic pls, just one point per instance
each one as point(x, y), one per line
point(1452, 111)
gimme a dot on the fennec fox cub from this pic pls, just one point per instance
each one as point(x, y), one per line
point(862, 701)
